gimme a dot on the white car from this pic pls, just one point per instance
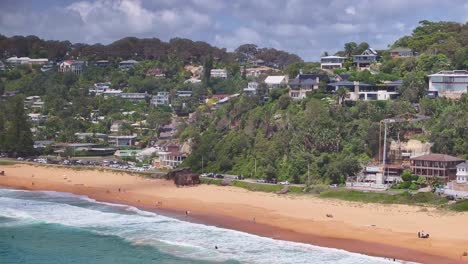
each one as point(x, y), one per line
point(284, 183)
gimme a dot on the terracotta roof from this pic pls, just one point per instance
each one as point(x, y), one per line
point(437, 157)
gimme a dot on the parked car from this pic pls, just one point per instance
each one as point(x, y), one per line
point(219, 176)
point(261, 181)
point(284, 183)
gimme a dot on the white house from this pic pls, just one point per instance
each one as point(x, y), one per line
point(218, 73)
point(251, 88)
point(73, 66)
point(451, 84)
point(274, 82)
point(331, 62)
point(462, 172)
point(162, 98)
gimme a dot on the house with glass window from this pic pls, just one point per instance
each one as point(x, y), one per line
point(450, 84)
point(331, 62)
point(366, 58)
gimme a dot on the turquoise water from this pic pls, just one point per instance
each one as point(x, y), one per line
point(51, 227)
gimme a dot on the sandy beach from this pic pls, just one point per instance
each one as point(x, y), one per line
point(372, 229)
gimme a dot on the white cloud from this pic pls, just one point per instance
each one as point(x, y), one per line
point(350, 10)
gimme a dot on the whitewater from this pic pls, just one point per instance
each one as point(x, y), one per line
point(55, 227)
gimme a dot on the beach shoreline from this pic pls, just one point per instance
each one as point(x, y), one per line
point(270, 216)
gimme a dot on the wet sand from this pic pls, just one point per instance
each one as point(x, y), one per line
point(373, 229)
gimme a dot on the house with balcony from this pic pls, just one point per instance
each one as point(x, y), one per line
point(367, 92)
point(218, 73)
point(401, 52)
point(160, 99)
point(462, 173)
point(332, 62)
point(305, 83)
point(435, 165)
point(72, 66)
point(170, 156)
point(127, 64)
point(450, 84)
point(368, 57)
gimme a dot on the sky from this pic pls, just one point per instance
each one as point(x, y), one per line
point(307, 28)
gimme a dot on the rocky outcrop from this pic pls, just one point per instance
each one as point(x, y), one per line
point(183, 177)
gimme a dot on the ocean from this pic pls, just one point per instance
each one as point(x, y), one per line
point(44, 227)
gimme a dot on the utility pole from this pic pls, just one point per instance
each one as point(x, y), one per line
point(202, 164)
point(308, 174)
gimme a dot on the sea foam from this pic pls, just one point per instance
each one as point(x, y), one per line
point(169, 235)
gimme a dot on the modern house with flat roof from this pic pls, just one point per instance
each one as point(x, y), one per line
point(331, 62)
point(450, 84)
point(435, 165)
point(364, 60)
point(367, 92)
point(401, 52)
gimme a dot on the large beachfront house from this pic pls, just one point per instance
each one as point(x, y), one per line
point(364, 60)
point(331, 62)
point(435, 165)
point(451, 84)
point(170, 156)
